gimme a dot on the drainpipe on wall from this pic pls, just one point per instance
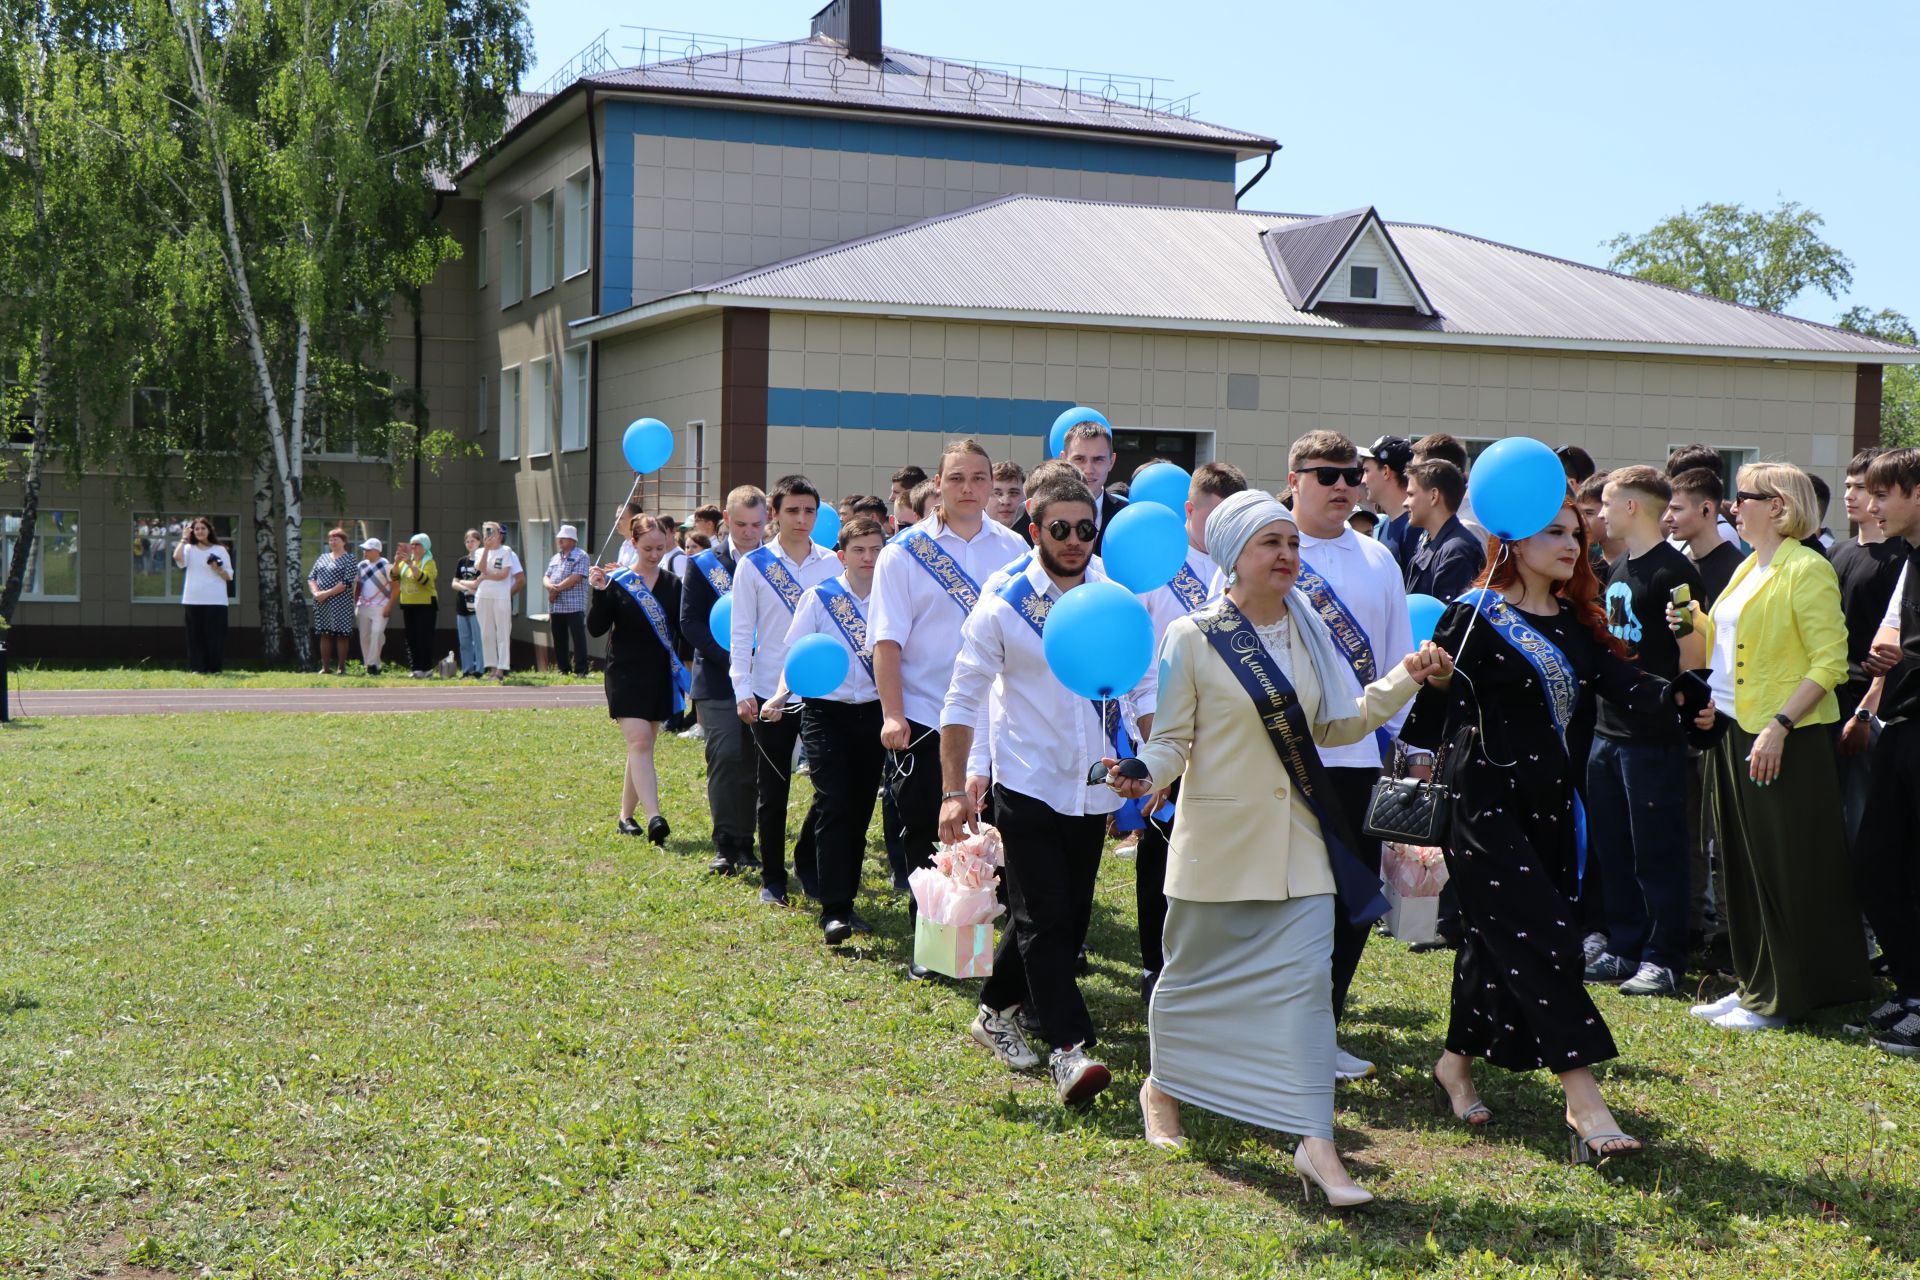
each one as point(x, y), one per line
point(419, 371)
point(593, 347)
point(1264, 166)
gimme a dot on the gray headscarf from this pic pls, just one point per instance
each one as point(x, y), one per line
point(1230, 528)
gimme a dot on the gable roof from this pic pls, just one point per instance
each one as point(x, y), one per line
point(1307, 254)
point(1038, 259)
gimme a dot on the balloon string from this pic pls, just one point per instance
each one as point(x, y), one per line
point(615, 532)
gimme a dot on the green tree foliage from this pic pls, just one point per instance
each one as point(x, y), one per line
point(1899, 383)
point(1763, 260)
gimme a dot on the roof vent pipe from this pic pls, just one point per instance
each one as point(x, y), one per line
point(855, 24)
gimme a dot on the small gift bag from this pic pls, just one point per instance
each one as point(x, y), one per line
point(1412, 877)
point(957, 950)
point(958, 900)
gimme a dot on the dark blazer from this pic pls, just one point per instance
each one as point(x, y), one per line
point(1444, 565)
point(710, 678)
point(1110, 506)
point(633, 635)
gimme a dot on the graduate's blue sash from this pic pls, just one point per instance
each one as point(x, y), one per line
point(1348, 634)
point(1233, 638)
point(630, 581)
point(774, 570)
point(1188, 589)
point(925, 550)
point(846, 615)
point(708, 563)
point(1033, 608)
point(1557, 677)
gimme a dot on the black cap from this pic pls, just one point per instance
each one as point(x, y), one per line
point(1390, 451)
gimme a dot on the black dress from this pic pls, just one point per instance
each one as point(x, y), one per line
point(1519, 1000)
point(639, 677)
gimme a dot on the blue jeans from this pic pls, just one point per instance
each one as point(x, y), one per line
point(467, 626)
point(1637, 834)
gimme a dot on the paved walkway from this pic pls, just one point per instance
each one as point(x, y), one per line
point(139, 702)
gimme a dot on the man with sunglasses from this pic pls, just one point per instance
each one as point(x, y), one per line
point(1089, 451)
point(1044, 746)
point(1356, 586)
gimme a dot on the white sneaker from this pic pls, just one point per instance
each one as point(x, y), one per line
point(696, 734)
point(1724, 1004)
point(1002, 1035)
point(1744, 1020)
point(1076, 1077)
point(1348, 1067)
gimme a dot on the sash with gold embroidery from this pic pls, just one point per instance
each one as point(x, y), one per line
point(846, 615)
point(774, 570)
point(1188, 589)
point(1348, 634)
point(631, 582)
point(708, 563)
point(927, 552)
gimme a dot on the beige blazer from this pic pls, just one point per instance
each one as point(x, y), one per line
point(1240, 833)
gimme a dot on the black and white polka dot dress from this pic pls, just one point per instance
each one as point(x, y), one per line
point(1518, 996)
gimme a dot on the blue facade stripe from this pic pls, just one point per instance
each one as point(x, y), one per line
point(894, 411)
point(931, 141)
point(616, 214)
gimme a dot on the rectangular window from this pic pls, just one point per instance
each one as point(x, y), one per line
point(480, 260)
point(540, 263)
point(534, 555)
point(149, 410)
point(16, 418)
point(578, 231)
point(313, 536)
point(53, 566)
point(156, 580)
point(512, 257)
point(509, 414)
point(480, 410)
point(1363, 282)
point(540, 409)
point(573, 399)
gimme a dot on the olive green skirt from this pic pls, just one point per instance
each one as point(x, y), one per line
point(1792, 921)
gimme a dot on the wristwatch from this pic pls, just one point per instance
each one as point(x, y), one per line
point(1863, 714)
point(1784, 721)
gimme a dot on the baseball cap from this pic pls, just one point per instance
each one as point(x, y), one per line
point(372, 544)
point(1390, 451)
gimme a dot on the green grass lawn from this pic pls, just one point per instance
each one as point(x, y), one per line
point(51, 677)
point(386, 996)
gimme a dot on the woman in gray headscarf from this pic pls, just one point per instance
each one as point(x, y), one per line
point(1241, 1022)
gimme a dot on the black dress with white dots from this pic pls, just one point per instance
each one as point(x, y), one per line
point(1518, 996)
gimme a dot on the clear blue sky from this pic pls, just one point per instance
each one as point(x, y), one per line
point(1552, 127)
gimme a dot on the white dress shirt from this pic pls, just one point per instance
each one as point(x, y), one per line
point(911, 609)
point(1366, 577)
point(1164, 604)
point(1045, 737)
point(757, 607)
point(812, 619)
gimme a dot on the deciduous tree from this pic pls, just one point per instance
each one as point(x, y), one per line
point(1764, 260)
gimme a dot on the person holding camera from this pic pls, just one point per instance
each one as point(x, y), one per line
point(419, 600)
point(208, 568)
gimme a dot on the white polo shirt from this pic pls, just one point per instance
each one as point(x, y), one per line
point(1366, 577)
point(813, 619)
point(913, 611)
point(758, 608)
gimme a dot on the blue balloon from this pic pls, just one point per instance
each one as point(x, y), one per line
point(648, 443)
point(1517, 487)
point(1424, 612)
point(1144, 546)
point(816, 666)
point(1057, 437)
point(826, 527)
point(720, 623)
point(1098, 640)
point(1165, 483)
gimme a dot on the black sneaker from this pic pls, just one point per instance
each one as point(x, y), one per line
point(1607, 967)
point(1903, 1038)
point(722, 865)
point(1651, 979)
point(837, 931)
point(773, 897)
point(919, 972)
point(1887, 1016)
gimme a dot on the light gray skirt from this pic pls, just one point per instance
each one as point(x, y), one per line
point(1242, 1019)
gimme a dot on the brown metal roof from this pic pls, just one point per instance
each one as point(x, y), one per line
point(1084, 260)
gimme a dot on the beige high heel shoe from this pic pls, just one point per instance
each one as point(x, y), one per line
point(1337, 1197)
point(1162, 1129)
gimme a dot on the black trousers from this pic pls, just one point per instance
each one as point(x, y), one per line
point(206, 638)
point(844, 752)
point(569, 642)
point(1352, 789)
point(1886, 857)
point(774, 763)
point(1052, 863)
point(913, 779)
point(419, 620)
point(1150, 888)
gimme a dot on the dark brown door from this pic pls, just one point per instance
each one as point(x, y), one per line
point(1135, 449)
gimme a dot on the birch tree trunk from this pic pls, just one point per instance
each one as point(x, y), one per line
point(266, 562)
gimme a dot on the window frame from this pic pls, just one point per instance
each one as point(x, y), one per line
point(577, 226)
point(536, 567)
point(507, 440)
point(539, 414)
point(514, 242)
point(37, 565)
point(480, 276)
point(170, 520)
point(1353, 290)
point(541, 246)
point(575, 395)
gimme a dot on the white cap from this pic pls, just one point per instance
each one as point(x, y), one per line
point(371, 544)
point(568, 532)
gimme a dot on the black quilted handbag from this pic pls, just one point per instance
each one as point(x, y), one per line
point(1408, 811)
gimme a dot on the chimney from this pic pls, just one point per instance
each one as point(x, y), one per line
point(855, 24)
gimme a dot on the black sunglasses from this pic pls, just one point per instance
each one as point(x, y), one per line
point(1330, 476)
point(1085, 530)
point(1744, 496)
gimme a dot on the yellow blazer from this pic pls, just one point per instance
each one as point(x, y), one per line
point(1240, 833)
point(1791, 630)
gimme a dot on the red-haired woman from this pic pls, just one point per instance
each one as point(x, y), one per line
point(1529, 647)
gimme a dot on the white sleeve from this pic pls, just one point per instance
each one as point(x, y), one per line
point(1892, 617)
point(892, 599)
point(806, 619)
point(746, 618)
point(983, 654)
point(1399, 644)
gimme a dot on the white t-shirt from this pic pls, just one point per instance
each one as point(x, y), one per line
point(202, 585)
point(1726, 621)
point(496, 588)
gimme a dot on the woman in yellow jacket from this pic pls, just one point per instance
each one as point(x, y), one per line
point(1779, 646)
point(414, 572)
